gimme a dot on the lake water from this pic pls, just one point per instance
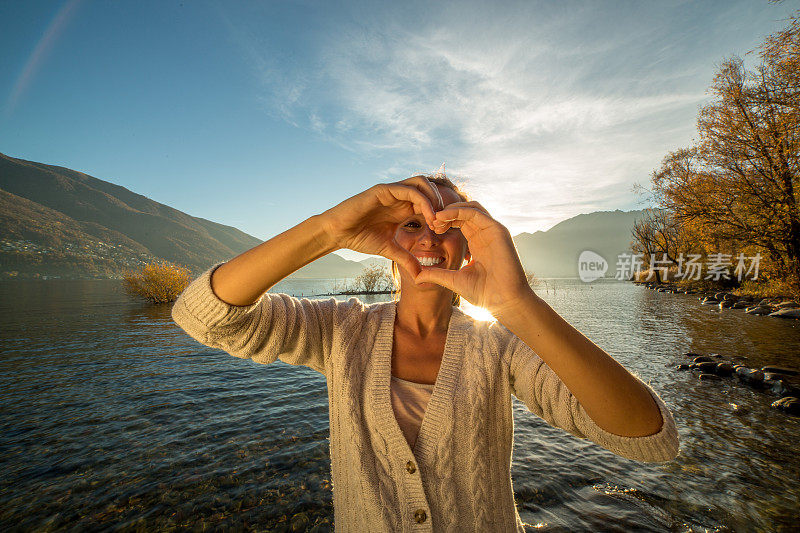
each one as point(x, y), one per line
point(112, 418)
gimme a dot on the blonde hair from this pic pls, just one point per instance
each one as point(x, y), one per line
point(439, 179)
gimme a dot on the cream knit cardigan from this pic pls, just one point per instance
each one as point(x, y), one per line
point(458, 477)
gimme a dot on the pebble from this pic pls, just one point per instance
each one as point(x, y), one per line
point(786, 313)
point(738, 409)
point(769, 377)
point(724, 369)
point(751, 377)
point(300, 522)
point(789, 405)
point(758, 310)
point(780, 370)
point(707, 366)
point(780, 387)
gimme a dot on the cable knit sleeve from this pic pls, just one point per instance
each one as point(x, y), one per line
point(543, 392)
point(298, 332)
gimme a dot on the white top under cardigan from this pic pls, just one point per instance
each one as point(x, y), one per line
point(409, 401)
point(460, 478)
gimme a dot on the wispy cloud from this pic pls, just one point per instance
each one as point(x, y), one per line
point(43, 46)
point(547, 114)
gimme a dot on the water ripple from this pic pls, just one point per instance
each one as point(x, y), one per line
point(115, 419)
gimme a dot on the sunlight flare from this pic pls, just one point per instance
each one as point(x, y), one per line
point(478, 313)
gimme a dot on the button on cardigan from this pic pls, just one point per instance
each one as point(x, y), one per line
point(461, 480)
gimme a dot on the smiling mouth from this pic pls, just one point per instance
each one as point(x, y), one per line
point(429, 261)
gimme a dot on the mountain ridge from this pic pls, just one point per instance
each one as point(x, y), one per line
point(60, 222)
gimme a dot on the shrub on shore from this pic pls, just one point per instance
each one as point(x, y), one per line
point(375, 278)
point(157, 282)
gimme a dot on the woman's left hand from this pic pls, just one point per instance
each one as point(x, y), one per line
point(494, 278)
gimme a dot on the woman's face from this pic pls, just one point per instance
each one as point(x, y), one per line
point(446, 250)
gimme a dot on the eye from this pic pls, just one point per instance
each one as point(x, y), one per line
point(412, 224)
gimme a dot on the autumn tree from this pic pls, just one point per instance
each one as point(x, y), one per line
point(656, 235)
point(739, 181)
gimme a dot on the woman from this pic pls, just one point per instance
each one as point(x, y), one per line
point(449, 470)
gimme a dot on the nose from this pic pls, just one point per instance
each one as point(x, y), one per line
point(428, 237)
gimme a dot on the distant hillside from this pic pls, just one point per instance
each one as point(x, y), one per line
point(330, 266)
point(554, 253)
point(375, 261)
point(59, 222)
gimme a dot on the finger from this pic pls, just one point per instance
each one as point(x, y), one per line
point(403, 258)
point(460, 216)
point(421, 203)
point(440, 276)
point(426, 187)
point(473, 204)
point(440, 226)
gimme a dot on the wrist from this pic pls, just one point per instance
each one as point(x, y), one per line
point(321, 232)
point(518, 308)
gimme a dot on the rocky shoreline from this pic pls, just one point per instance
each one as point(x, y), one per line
point(772, 380)
point(776, 307)
point(778, 381)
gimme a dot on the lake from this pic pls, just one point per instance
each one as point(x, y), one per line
point(113, 418)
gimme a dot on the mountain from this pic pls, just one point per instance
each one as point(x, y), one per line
point(554, 253)
point(370, 262)
point(59, 222)
point(330, 266)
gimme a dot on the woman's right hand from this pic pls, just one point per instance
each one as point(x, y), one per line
point(367, 222)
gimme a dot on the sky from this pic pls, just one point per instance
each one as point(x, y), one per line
point(260, 114)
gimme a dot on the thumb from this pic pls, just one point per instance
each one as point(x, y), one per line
point(441, 276)
point(402, 257)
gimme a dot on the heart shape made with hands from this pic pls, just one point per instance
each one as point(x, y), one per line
point(412, 264)
point(442, 237)
point(374, 223)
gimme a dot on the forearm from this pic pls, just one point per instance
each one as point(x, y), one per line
point(243, 279)
point(610, 395)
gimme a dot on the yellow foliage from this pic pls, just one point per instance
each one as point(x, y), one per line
point(158, 282)
point(775, 288)
point(734, 190)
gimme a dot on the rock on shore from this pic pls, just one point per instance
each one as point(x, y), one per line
point(773, 307)
point(780, 381)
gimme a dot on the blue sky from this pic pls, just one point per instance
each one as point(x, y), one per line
point(260, 114)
